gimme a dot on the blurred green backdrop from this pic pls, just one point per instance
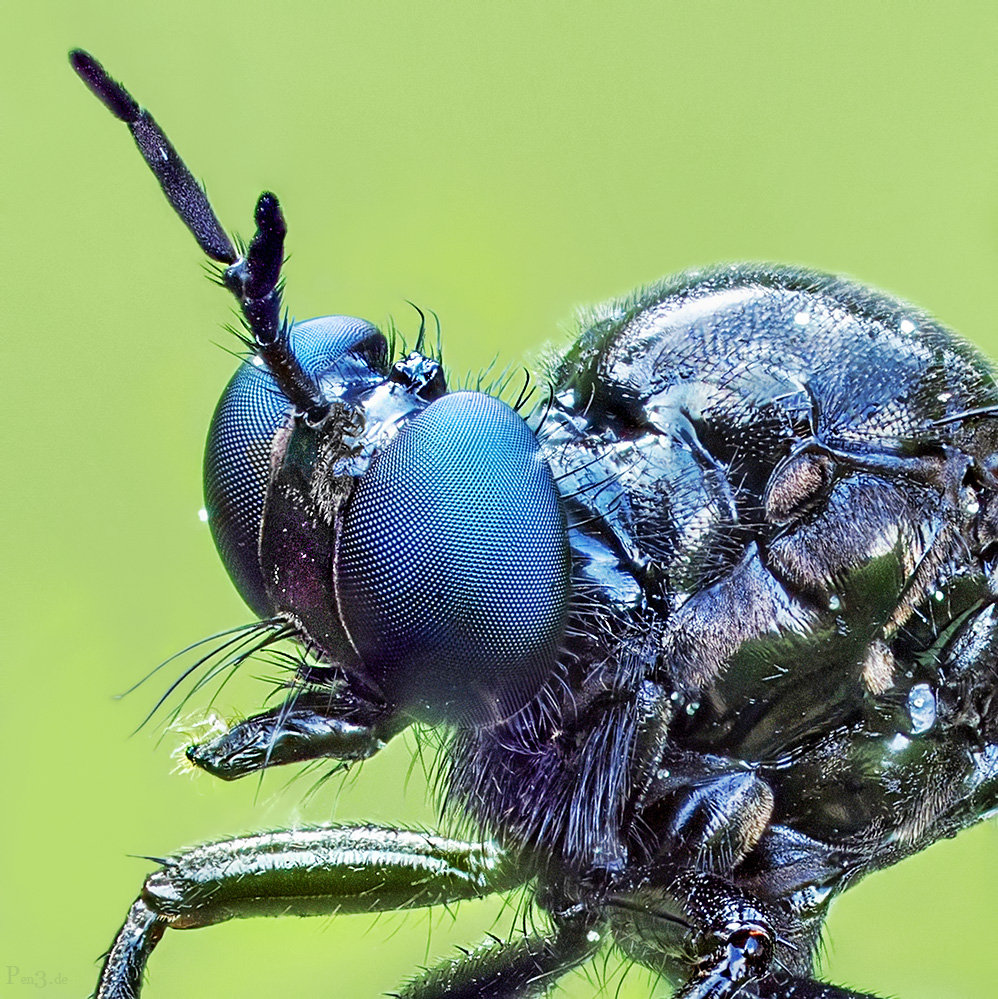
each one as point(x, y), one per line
point(501, 166)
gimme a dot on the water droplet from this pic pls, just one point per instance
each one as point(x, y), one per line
point(921, 708)
point(970, 503)
point(802, 318)
point(203, 515)
point(834, 603)
point(693, 707)
point(907, 326)
point(257, 361)
point(592, 936)
point(939, 596)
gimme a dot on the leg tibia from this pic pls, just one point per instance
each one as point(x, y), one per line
point(517, 969)
point(804, 988)
point(121, 976)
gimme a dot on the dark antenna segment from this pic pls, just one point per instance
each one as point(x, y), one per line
point(254, 278)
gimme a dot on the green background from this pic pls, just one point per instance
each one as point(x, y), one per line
point(501, 166)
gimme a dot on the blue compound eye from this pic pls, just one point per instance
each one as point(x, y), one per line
point(249, 414)
point(453, 567)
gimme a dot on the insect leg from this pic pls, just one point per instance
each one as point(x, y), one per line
point(301, 872)
point(802, 988)
point(720, 987)
point(302, 729)
point(735, 945)
point(518, 969)
point(121, 976)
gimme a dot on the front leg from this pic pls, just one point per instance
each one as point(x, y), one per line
point(335, 724)
point(725, 978)
point(303, 873)
point(719, 940)
point(778, 987)
point(519, 969)
point(744, 947)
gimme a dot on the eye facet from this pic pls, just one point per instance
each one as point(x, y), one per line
point(453, 565)
point(237, 452)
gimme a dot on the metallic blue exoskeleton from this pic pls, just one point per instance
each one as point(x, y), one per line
point(712, 631)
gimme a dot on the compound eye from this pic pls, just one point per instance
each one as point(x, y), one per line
point(453, 566)
point(251, 411)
